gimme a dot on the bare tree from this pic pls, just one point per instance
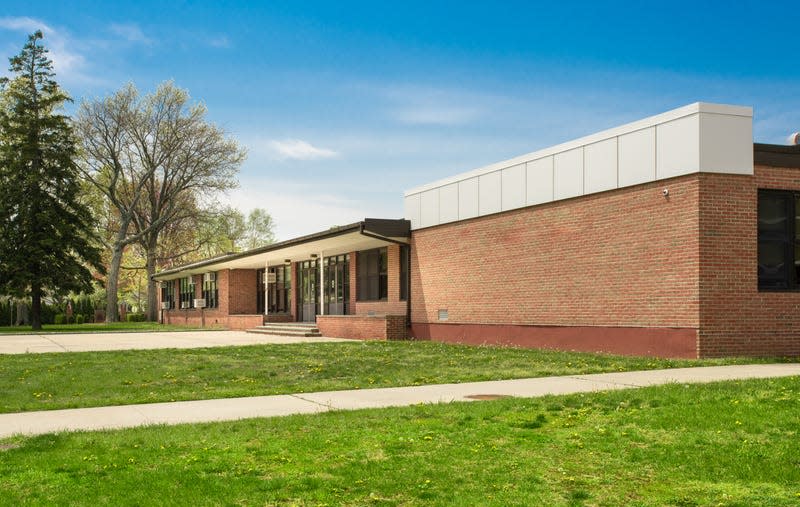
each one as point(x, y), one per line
point(148, 156)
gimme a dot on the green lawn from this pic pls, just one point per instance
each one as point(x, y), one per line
point(728, 444)
point(66, 380)
point(101, 327)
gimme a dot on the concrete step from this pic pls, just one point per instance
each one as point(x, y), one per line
point(287, 329)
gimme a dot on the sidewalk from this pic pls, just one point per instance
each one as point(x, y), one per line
point(128, 416)
point(84, 342)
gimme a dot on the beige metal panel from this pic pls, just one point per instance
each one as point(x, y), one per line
point(468, 193)
point(568, 174)
point(637, 157)
point(678, 147)
point(429, 208)
point(600, 166)
point(513, 187)
point(448, 203)
point(489, 193)
point(726, 144)
point(539, 181)
point(411, 209)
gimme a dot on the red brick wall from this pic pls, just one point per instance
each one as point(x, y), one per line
point(242, 291)
point(211, 318)
point(363, 327)
point(623, 258)
point(735, 318)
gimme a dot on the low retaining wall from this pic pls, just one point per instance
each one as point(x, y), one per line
point(629, 341)
point(194, 318)
point(363, 327)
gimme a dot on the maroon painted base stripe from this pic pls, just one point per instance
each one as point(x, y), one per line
point(630, 341)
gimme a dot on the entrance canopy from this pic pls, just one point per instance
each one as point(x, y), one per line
point(367, 234)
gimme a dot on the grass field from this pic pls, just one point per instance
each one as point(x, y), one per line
point(726, 444)
point(68, 380)
point(101, 327)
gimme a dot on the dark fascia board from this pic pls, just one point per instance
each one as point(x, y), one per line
point(776, 155)
point(387, 228)
point(376, 226)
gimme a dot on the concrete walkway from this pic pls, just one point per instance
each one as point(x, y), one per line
point(128, 416)
point(85, 342)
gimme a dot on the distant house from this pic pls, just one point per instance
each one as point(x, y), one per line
point(671, 236)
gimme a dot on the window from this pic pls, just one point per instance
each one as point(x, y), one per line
point(187, 292)
point(778, 245)
point(168, 293)
point(371, 272)
point(210, 293)
point(405, 256)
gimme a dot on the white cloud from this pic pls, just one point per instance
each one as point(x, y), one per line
point(219, 42)
point(67, 63)
point(130, 32)
point(436, 115)
point(299, 150)
point(425, 105)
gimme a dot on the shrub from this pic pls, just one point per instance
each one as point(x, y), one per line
point(135, 317)
point(60, 319)
point(79, 319)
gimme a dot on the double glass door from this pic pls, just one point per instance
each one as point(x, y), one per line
point(337, 284)
point(307, 283)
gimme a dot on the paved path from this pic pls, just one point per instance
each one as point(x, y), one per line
point(57, 342)
point(127, 416)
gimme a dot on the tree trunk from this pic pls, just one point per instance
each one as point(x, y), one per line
point(152, 290)
point(112, 306)
point(36, 308)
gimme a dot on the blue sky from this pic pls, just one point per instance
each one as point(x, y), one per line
point(344, 105)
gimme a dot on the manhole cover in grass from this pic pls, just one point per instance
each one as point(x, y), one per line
point(487, 396)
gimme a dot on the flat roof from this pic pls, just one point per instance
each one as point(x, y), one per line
point(368, 233)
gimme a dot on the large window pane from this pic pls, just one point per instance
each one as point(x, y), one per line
point(777, 244)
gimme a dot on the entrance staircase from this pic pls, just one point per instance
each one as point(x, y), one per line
point(304, 329)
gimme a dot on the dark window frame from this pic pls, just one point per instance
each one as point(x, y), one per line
point(211, 292)
point(405, 262)
point(168, 293)
point(187, 292)
point(372, 273)
point(785, 239)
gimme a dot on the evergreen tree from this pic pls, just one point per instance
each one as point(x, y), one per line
point(46, 242)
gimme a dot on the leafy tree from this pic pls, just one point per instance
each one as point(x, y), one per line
point(150, 156)
point(45, 231)
point(258, 230)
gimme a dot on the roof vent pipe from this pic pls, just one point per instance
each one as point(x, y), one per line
point(794, 139)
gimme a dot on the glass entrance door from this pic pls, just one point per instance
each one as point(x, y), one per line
point(337, 284)
point(307, 282)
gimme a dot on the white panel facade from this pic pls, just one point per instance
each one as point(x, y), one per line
point(539, 181)
point(568, 174)
point(411, 210)
point(678, 147)
point(727, 144)
point(637, 157)
point(489, 197)
point(513, 187)
point(468, 198)
point(429, 208)
point(695, 138)
point(448, 203)
point(600, 166)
